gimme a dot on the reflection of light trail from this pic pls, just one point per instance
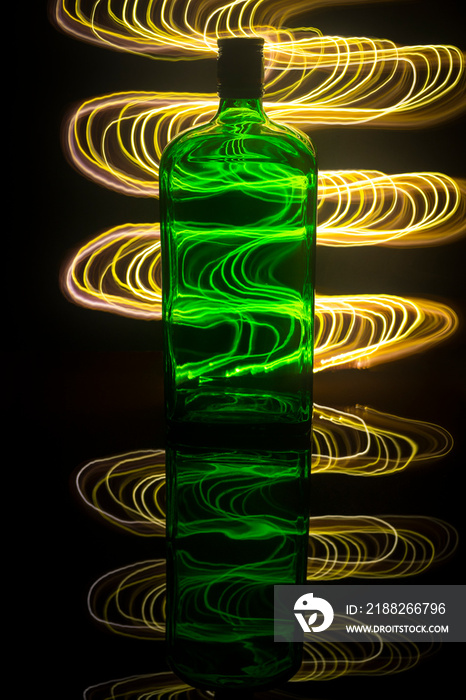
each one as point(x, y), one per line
point(316, 79)
point(369, 547)
point(131, 600)
point(128, 490)
point(321, 661)
point(329, 661)
point(364, 442)
point(120, 272)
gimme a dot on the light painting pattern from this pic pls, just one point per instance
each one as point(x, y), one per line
point(312, 81)
point(117, 140)
point(120, 272)
point(315, 79)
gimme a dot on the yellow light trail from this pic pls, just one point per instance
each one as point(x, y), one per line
point(363, 207)
point(117, 141)
point(120, 272)
point(315, 79)
point(366, 330)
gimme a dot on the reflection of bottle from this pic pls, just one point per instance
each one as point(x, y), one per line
point(238, 202)
point(238, 525)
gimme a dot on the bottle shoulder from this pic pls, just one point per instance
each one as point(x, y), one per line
point(255, 140)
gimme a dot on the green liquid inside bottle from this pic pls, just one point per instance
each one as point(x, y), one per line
point(238, 203)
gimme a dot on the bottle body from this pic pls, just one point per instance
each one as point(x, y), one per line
point(238, 232)
point(238, 202)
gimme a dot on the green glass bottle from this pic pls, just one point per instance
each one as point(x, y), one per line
point(238, 224)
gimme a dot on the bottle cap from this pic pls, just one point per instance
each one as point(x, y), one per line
point(240, 67)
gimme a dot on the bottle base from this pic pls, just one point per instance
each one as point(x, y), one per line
point(225, 680)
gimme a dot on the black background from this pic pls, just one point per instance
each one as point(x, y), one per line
point(88, 384)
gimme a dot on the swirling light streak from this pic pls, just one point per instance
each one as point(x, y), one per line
point(316, 79)
point(402, 210)
point(131, 600)
point(128, 490)
point(172, 28)
point(120, 272)
point(118, 140)
point(366, 330)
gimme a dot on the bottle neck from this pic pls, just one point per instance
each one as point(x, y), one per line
point(240, 110)
point(240, 79)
